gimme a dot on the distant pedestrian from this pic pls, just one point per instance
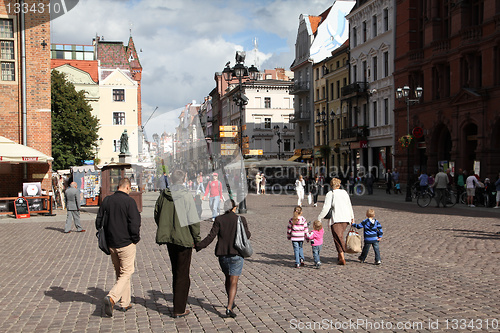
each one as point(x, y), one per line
point(441, 184)
point(122, 231)
point(471, 183)
point(314, 188)
point(395, 176)
point(397, 188)
point(342, 215)
point(230, 261)
point(316, 238)
point(497, 188)
point(263, 185)
point(296, 232)
point(258, 180)
point(72, 201)
point(369, 180)
point(372, 234)
point(214, 191)
point(300, 185)
point(423, 181)
point(388, 181)
point(460, 181)
point(178, 226)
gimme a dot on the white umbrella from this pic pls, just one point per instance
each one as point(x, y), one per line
point(15, 153)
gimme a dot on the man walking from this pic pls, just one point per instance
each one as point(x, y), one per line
point(214, 189)
point(122, 231)
point(258, 180)
point(178, 227)
point(441, 183)
point(72, 200)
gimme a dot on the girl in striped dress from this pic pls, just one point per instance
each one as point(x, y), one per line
point(297, 230)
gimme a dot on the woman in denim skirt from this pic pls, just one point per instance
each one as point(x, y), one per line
point(231, 263)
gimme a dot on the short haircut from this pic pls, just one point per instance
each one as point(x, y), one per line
point(177, 176)
point(317, 225)
point(335, 183)
point(124, 182)
point(370, 213)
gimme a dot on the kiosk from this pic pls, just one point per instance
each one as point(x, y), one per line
point(111, 175)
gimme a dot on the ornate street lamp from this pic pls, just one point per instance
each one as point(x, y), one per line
point(240, 71)
point(403, 94)
point(279, 141)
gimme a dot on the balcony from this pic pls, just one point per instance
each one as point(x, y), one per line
point(357, 132)
point(300, 87)
point(354, 89)
point(300, 116)
point(471, 34)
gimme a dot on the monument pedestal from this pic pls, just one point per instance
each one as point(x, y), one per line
point(125, 158)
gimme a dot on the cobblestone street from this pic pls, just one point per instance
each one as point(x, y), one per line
point(439, 272)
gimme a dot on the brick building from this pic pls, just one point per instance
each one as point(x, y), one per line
point(451, 50)
point(25, 115)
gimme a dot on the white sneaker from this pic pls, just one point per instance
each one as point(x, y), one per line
point(316, 205)
point(472, 206)
point(378, 262)
point(496, 207)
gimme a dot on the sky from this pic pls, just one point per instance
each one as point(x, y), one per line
point(182, 44)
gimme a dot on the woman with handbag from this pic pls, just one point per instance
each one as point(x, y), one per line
point(230, 260)
point(339, 203)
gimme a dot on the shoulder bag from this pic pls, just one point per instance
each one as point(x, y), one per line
point(329, 214)
point(101, 235)
point(353, 241)
point(241, 242)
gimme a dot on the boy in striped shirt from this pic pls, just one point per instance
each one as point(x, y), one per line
point(372, 233)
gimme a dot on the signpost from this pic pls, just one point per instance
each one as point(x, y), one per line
point(228, 134)
point(21, 208)
point(254, 152)
point(228, 128)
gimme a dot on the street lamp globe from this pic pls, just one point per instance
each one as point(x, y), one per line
point(227, 73)
point(406, 91)
point(253, 72)
point(418, 92)
point(399, 93)
point(239, 70)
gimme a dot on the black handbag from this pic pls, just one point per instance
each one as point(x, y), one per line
point(101, 235)
point(328, 215)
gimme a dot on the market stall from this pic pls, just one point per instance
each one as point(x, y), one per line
point(88, 180)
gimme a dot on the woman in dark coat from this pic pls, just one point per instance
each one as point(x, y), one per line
point(230, 260)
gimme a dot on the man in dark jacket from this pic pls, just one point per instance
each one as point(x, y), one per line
point(179, 228)
point(122, 231)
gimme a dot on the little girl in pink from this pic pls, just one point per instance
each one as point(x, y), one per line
point(316, 239)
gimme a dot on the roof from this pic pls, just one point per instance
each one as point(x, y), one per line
point(88, 66)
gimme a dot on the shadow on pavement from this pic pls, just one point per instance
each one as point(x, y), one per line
point(94, 296)
point(55, 229)
point(476, 234)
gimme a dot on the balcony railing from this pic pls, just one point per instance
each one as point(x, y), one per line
point(301, 116)
point(357, 132)
point(354, 89)
point(300, 86)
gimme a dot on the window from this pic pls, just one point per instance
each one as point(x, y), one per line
point(365, 72)
point(374, 25)
point(386, 111)
point(286, 145)
point(386, 64)
point(317, 73)
point(267, 102)
point(338, 89)
point(364, 31)
point(354, 37)
point(375, 71)
point(116, 146)
point(267, 123)
point(354, 73)
point(375, 114)
point(386, 19)
point(118, 118)
point(118, 95)
point(7, 55)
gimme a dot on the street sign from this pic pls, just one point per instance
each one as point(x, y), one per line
point(228, 134)
point(253, 151)
point(228, 128)
point(418, 132)
point(226, 152)
point(229, 146)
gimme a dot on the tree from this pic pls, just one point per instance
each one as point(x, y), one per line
point(74, 128)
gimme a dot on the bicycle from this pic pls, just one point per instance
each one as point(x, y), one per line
point(425, 198)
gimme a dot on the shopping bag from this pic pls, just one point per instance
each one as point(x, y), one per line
point(353, 241)
point(309, 198)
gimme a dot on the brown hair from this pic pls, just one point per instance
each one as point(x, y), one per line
point(296, 212)
point(124, 182)
point(370, 213)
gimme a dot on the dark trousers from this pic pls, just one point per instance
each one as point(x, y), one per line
point(338, 230)
point(180, 258)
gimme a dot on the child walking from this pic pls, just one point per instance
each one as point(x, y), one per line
point(297, 231)
point(316, 238)
point(372, 233)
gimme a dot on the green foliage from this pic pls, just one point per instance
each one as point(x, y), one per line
point(74, 129)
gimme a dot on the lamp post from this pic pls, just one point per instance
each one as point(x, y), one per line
point(279, 141)
point(324, 118)
point(240, 71)
point(403, 94)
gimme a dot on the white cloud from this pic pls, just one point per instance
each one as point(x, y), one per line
point(185, 42)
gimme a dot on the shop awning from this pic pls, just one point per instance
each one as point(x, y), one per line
point(12, 152)
point(293, 158)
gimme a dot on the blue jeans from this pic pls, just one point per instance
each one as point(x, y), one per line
point(214, 203)
point(366, 248)
point(316, 251)
point(298, 251)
